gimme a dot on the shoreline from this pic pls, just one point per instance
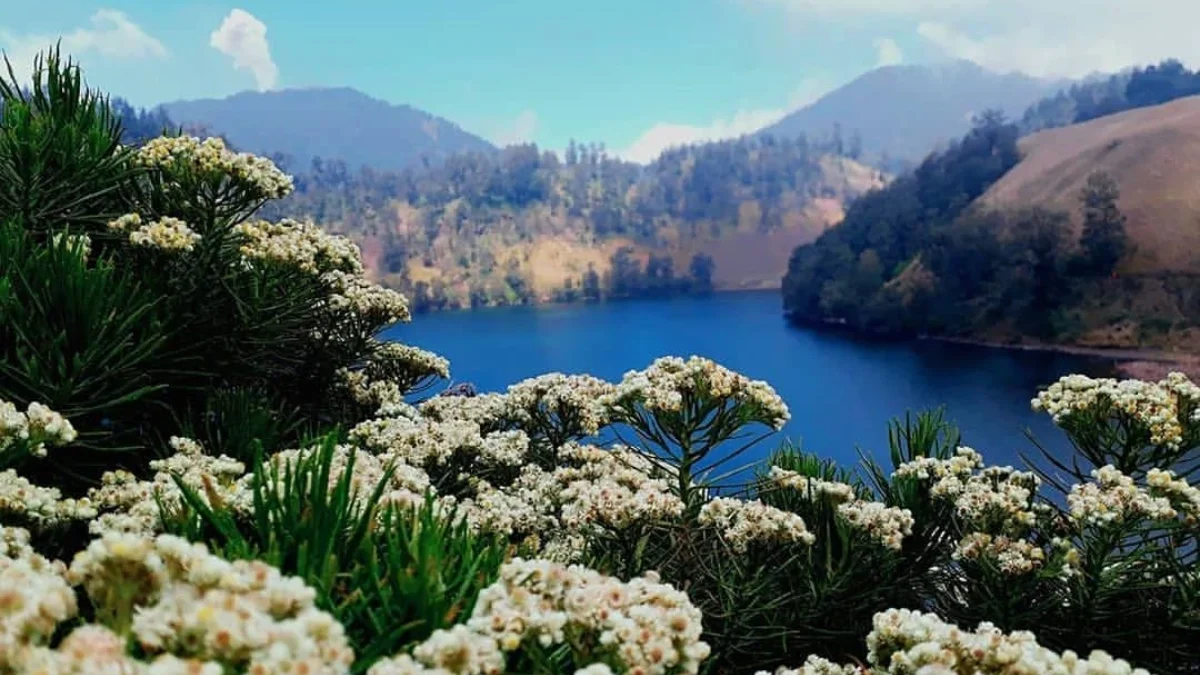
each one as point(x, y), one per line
point(1114, 353)
point(1143, 364)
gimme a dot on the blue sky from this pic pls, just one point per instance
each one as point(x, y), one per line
point(634, 74)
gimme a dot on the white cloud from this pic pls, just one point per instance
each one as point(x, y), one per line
point(665, 135)
point(111, 35)
point(1070, 38)
point(888, 53)
point(1049, 38)
point(243, 37)
point(521, 130)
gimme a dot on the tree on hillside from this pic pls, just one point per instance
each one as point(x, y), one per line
point(626, 275)
point(856, 146)
point(701, 271)
point(590, 290)
point(1104, 240)
point(1034, 269)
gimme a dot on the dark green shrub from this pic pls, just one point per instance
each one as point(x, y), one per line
point(60, 157)
point(88, 339)
point(391, 575)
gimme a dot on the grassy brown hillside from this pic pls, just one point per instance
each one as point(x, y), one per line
point(1086, 235)
point(1154, 156)
point(526, 226)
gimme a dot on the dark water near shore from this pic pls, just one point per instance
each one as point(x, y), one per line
point(841, 390)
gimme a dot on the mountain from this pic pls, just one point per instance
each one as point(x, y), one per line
point(1154, 156)
point(1083, 235)
point(523, 226)
point(330, 123)
point(903, 112)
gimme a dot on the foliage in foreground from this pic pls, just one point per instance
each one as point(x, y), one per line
point(258, 491)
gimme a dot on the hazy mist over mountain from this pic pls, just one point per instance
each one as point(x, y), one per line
point(905, 111)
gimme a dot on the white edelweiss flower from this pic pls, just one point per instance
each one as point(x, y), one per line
point(911, 641)
point(886, 524)
point(742, 522)
point(664, 385)
point(165, 234)
point(302, 245)
point(243, 614)
point(651, 627)
point(566, 400)
point(1115, 498)
point(838, 493)
point(257, 176)
point(1154, 406)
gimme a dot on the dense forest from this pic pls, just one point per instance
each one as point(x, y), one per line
point(1137, 88)
point(473, 230)
point(916, 257)
point(526, 225)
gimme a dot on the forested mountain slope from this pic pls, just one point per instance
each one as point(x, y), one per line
point(524, 226)
point(1154, 156)
point(1086, 234)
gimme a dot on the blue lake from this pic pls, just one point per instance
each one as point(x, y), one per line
point(841, 390)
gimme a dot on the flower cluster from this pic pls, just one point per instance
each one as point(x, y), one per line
point(490, 411)
point(1187, 395)
point(304, 246)
point(175, 155)
point(34, 596)
point(572, 403)
point(612, 489)
point(886, 524)
point(373, 303)
point(368, 392)
point(906, 641)
point(814, 488)
point(999, 498)
point(174, 597)
point(1183, 496)
point(745, 522)
point(1116, 498)
point(428, 444)
point(39, 507)
point(33, 429)
point(1012, 556)
point(669, 382)
point(523, 509)
point(129, 505)
point(165, 234)
point(962, 464)
point(1153, 406)
point(643, 625)
point(126, 223)
point(455, 651)
point(406, 485)
point(405, 365)
point(94, 649)
point(640, 626)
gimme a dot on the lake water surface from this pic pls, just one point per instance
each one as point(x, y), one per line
point(841, 390)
